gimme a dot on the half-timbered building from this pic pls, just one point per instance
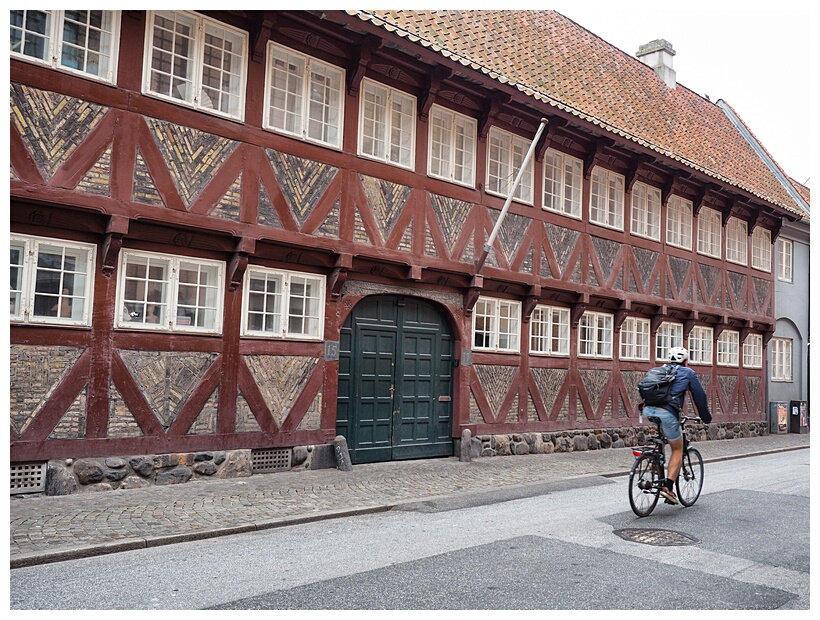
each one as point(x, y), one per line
point(255, 231)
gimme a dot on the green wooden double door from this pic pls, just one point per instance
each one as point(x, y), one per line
point(395, 380)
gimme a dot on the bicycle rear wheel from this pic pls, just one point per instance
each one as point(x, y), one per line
point(690, 478)
point(643, 485)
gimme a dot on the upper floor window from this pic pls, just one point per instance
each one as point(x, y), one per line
point(737, 235)
point(83, 41)
point(169, 293)
point(304, 96)
point(387, 124)
point(563, 178)
point(283, 304)
point(784, 259)
point(51, 281)
point(595, 335)
point(635, 339)
point(505, 154)
point(762, 249)
point(646, 211)
point(728, 348)
point(496, 325)
point(709, 232)
point(452, 146)
point(700, 345)
point(753, 351)
point(679, 222)
point(549, 330)
point(194, 60)
point(781, 359)
point(606, 198)
point(669, 335)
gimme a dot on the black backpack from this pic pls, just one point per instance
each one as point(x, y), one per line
point(656, 386)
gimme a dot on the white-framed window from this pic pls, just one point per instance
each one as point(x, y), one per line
point(762, 250)
point(709, 232)
point(700, 345)
point(753, 351)
point(304, 97)
point(496, 325)
point(164, 292)
point(737, 236)
point(505, 154)
point(646, 211)
point(85, 42)
point(595, 335)
point(784, 259)
point(669, 335)
point(728, 348)
point(51, 281)
point(563, 180)
point(781, 349)
point(549, 330)
point(387, 124)
point(679, 222)
point(452, 146)
point(196, 61)
point(606, 198)
point(283, 304)
point(635, 339)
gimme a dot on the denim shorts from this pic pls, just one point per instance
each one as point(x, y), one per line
point(669, 421)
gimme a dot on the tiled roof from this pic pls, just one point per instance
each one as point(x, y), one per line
point(554, 60)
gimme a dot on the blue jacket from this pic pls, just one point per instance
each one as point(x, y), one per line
point(687, 380)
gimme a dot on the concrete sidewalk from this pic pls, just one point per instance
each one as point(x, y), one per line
point(52, 529)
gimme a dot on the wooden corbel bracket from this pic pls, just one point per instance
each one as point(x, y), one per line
point(239, 262)
point(634, 168)
point(655, 321)
point(553, 124)
point(116, 229)
point(369, 45)
point(530, 302)
point(621, 314)
point(489, 113)
point(438, 75)
point(472, 294)
point(265, 21)
point(596, 157)
point(578, 308)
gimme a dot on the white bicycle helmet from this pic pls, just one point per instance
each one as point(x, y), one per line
point(678, 355)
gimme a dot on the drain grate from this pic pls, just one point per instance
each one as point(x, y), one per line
point(659, 538)
point(265, 461)
point(28, 478)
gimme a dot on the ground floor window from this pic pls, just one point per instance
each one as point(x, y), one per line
point(50, 281)
point(283, 304)
point(781, 359)
point(496, 325)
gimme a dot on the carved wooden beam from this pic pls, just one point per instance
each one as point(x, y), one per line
point(369, 45)
point(438, 75)
point(337, 277)
point(767, 336)
point(746, 330)
point(491, 107)
point(265, 21)
point(578, 308)
point(721, 326)
point(595, 157)
point(553, 124)
point(634, 167)
point(115, 230)
point(239, 262)
point(689, 323)
point(530, 302)
point(621, 314)
point(700, 200)
point(473, 293)
point(660, 317)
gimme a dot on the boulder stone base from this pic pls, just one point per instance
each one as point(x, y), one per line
point(602, 439)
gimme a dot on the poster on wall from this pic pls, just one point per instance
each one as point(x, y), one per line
point(782, 421)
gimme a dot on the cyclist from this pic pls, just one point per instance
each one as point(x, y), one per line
point(669, 415)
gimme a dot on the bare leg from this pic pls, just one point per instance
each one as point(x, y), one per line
point(675, 458)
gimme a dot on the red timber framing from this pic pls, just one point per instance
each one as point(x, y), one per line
point(112, 167)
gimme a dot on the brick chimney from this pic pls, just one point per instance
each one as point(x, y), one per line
point(658, 54)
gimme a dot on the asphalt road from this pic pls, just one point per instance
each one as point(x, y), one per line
point(744, 545)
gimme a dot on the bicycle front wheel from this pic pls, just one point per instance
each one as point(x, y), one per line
point(690, 478)
point(643, 485)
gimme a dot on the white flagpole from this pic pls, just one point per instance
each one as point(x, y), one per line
point(488, 245)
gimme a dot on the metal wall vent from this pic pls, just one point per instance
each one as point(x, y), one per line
point(28, 477)
point(265, 461)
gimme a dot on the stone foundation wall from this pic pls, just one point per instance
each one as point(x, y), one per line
point(85, 475)
point(600, 439)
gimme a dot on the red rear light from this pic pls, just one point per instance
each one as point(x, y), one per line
point(637, 452)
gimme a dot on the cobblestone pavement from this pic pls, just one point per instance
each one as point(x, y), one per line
point(48, 529)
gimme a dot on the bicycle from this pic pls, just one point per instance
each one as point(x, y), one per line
point(648, 472)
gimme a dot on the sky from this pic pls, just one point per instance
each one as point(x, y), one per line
point(758, 60)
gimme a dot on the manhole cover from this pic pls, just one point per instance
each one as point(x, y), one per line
point(660, 538)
